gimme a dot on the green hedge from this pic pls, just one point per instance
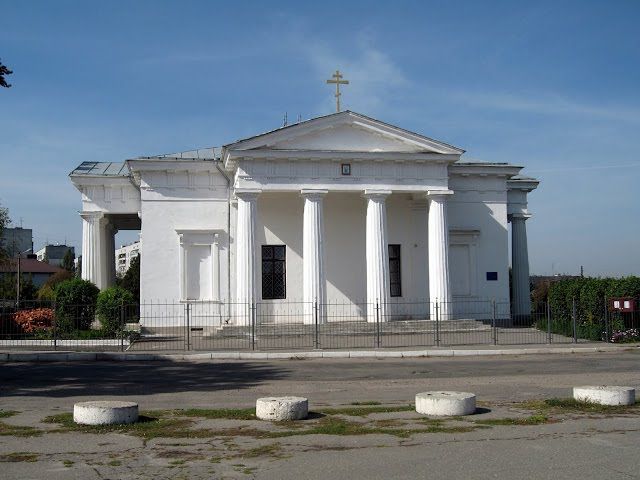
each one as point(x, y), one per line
point(111, 307)
point(590, 296)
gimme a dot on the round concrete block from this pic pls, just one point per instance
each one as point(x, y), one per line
point(445, 403)
point(105, 412)
point(605, 395)
point(282, 408)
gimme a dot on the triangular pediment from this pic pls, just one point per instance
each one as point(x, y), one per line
point(344, 132)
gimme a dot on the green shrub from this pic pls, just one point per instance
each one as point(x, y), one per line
point(110, 308)
point(75, 304)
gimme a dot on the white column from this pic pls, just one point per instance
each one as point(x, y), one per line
point(377, 255)
point(520, 266)
point(313, 279)
point(92, 246)
point(245, 254)
point(438, 238)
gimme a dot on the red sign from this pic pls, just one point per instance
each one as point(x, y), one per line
point(622, 304)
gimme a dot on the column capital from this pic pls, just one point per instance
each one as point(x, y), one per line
point(92, 216)
point(515, 216)
point(438, 194)
point(247, 193)
point(376, 194)
point(312, 193)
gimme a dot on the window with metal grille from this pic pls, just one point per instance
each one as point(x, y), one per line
point(394, 271)
point(274, 272)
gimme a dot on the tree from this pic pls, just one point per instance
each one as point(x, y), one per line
point(4, 71)
point(131, 279)
point(8, 284)
point(4, 221)
point(67, 262)
point(47, 290)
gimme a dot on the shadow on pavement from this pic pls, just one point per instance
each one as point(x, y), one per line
point(115, 378)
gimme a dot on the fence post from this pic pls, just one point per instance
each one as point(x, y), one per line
point(122, 326)
point(316, 343)
point(437, 323)
point(574, 320)
point(548, 322)
point(493, 322)
point(252, 306)
point(377, 323)
point(188, 325)
point(606, 321)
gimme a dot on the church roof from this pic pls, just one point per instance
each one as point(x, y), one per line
point(101, 169)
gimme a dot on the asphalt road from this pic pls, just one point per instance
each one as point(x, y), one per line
point(325, 381)
point(587, 446)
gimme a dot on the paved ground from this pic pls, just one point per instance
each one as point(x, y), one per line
point(587, 446)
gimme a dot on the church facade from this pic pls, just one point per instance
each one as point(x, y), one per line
point(337, 210)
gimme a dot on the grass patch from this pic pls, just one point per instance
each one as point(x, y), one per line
point(538, 419)
point(369, 402)
point(19, 457)
point(7, 413)
point(363, 411)
point(171, 424)
point(114, 463)
point(18, 430)
point(210, 414)
point(177, 462)
point(147, 427)
point(570, 405)
point(272, 450)
point(68, 463)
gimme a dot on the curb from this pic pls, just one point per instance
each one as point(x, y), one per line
point(378, 354)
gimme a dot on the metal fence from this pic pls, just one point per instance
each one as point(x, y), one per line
point(288, 325)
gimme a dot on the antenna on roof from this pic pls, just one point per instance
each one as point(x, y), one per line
point(299, 118)
point(285, 122)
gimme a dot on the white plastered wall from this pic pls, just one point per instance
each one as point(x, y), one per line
point(478, 211)
point(169, 207)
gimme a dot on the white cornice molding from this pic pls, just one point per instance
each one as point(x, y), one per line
point(497, 170)
point(233, 156)
point(523, 184)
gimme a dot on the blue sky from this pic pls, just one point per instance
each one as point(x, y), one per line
point(553, 86)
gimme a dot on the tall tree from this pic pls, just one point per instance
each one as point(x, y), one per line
point(4, 71)
point(67, 262)
point(131, 279)
point(4, 221)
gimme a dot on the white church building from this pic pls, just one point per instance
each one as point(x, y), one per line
point(340, 209)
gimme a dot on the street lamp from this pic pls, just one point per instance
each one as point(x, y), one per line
point(18, 278)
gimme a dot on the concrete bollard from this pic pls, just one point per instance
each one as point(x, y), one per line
point(605, 394)
point(105, 412)
point(282, 408)
point(445, 404)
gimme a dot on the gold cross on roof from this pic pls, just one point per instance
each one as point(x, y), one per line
point(337, 79)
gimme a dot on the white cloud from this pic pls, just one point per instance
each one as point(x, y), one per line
point(371, 72)
point(546, 104)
